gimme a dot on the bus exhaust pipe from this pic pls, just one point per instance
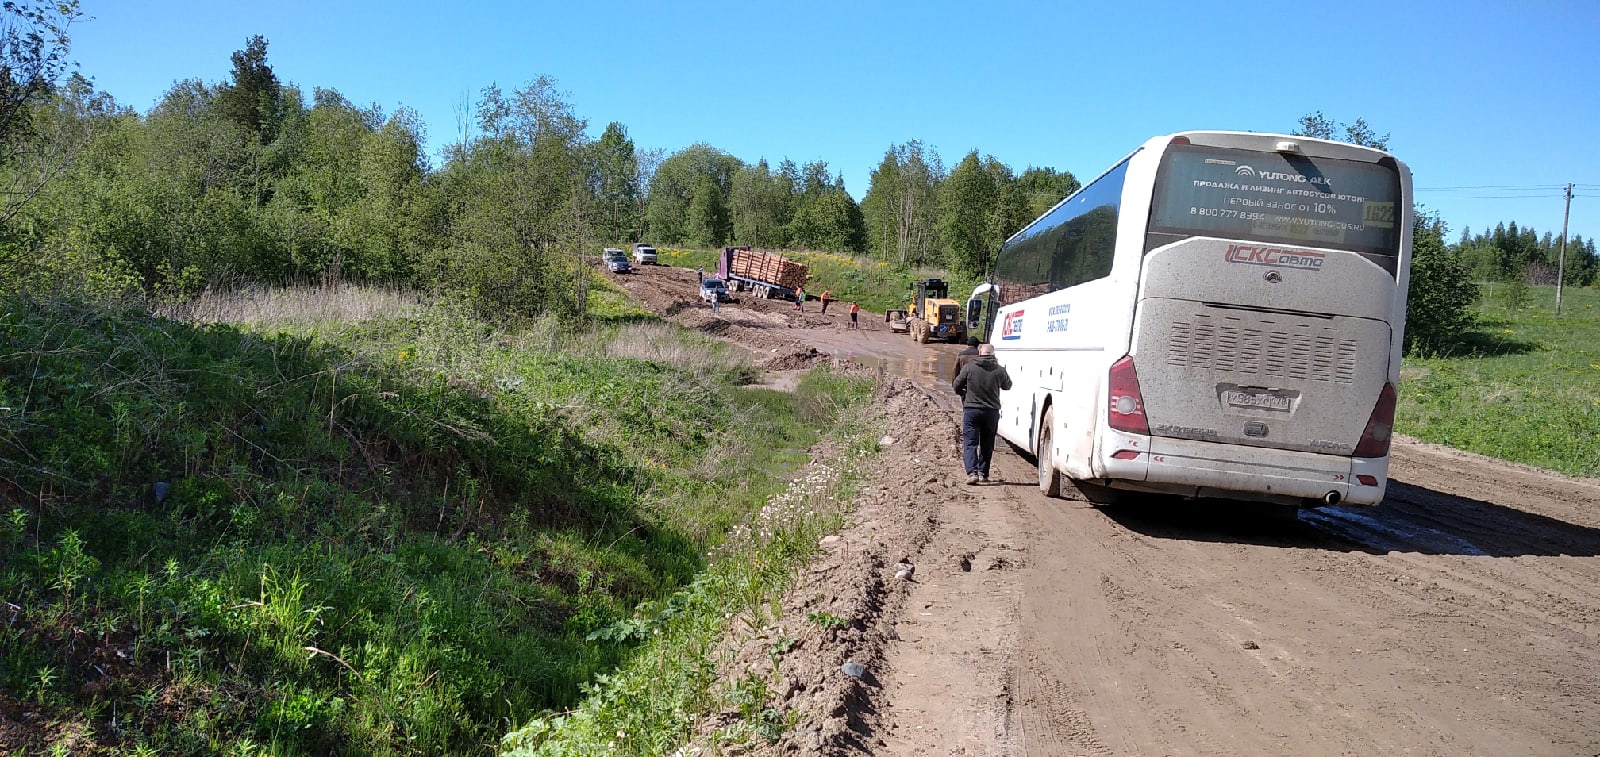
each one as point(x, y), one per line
point(1331, 498)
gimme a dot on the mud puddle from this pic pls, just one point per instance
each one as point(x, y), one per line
point(928, 365)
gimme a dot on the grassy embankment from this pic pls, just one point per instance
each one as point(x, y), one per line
point(876, 285)
point(403, 534)
point(1525, 388)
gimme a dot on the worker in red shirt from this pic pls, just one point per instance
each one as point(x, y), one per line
point(855, 311)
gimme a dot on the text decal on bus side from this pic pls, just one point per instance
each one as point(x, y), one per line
point(1275, 256)
point(1012, 327)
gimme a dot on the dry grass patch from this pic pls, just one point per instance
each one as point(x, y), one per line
point(304, 306)
point(670, 344)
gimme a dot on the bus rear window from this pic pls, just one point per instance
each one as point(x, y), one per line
point(1277, 197)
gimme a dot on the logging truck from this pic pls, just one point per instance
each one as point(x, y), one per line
point(767, 275)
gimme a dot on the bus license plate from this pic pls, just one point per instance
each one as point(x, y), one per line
point(1257, 400)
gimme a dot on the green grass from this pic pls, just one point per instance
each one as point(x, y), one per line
point(1525, 388)
point(394, 536)
point(609, 303)
point(656, 701)
point(876, 285)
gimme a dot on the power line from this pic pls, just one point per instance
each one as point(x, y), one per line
point(1506, 187)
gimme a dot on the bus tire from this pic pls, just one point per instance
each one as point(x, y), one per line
point(1049, 477)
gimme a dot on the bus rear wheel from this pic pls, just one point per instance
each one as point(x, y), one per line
point(1049, 477)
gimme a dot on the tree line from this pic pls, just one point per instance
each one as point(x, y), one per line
point(1509, 253)
point(252, 180)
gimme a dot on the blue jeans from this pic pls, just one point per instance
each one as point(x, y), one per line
point(978, 427)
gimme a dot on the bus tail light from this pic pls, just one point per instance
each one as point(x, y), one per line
point(1380, 426)
point(1126, 408)
point(1366, 480)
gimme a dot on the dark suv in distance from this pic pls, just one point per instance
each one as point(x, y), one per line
point(616, 261)
point(714, 289)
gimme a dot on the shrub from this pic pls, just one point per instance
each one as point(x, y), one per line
point(1439, 304)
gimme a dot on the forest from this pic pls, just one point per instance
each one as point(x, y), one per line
point(249, 180)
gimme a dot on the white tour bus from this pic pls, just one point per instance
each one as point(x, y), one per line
point(1218, 315)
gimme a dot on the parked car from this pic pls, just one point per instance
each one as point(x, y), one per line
point(713, 289)
point(644, 254)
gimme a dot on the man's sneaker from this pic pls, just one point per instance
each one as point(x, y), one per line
point(972, 478)
point(984, 479)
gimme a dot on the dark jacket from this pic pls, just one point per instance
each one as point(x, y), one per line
point(980, 382)
point(962, 358)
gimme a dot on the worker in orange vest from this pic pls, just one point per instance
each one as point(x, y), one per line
point(826, 295)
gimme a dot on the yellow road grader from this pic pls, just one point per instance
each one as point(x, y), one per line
point(931, 314)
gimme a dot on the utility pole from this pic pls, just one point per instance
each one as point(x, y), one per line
point(1561, 260)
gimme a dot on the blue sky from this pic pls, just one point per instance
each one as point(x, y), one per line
point(1500, 98)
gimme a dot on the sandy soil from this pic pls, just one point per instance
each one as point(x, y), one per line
point(1462, 616)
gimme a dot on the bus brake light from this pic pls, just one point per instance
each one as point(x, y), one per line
point(1380, 426)
point(1126, 408)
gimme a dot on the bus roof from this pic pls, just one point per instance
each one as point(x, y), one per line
point(1238, 139)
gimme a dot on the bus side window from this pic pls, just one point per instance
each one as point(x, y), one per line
point(1074, 243)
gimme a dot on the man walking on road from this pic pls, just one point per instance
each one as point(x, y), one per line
point(855, 312)
point(965, 356)
point(800, 300)
point(826, 296)
point(979, 384)
point(700, 274)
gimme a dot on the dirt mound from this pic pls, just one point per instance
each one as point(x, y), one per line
point(840, 613)
point(804, 357)
point(839, 618)
point(713, 326)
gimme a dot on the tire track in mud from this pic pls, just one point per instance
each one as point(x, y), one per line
point(1330, 622)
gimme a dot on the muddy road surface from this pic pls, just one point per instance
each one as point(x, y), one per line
point(1462, 616)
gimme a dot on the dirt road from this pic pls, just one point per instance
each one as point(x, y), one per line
point(1462, 616)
